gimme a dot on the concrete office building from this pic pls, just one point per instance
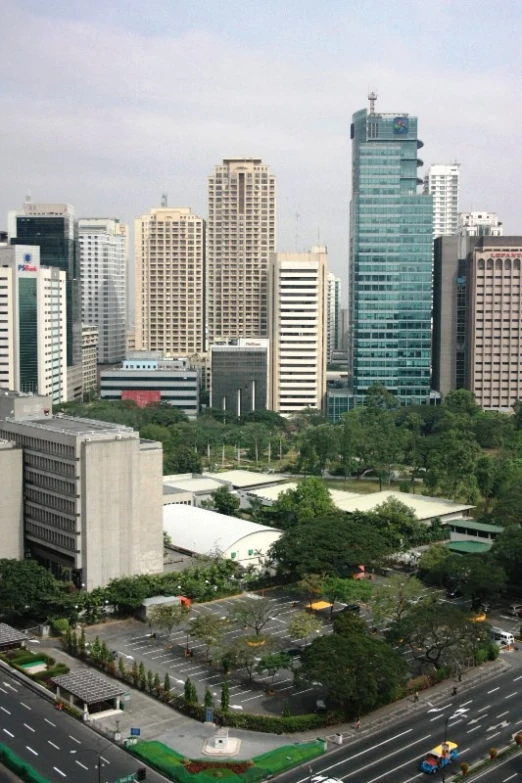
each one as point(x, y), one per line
point(33, 348)
point(479, 224)
point(11, 501)
point(442, 182)
point(391, 247)
point(89, 357)
point(154, 380)
point(450, 313)
point(54, 229)
point(495, 322)
point(92, 496)
point(334, 315)
point(298, 298)
point(103, 263)
point(169, 281)
point(239, 375)
point(241, 234)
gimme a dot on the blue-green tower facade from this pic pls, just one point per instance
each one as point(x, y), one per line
point(391, 251)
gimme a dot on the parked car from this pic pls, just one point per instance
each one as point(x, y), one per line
point(516, 610)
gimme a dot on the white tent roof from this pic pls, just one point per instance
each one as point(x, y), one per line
point(203, 532)
point(246, 478)
point(424, 507)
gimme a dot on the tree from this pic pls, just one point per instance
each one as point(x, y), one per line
point(150, 681)
point(157, 684)
point(379, 398)
point(431, 562)
point(242, 654)
point(398, 523)
point(128, 593)
point(308, 500)
point(360, 672)
point(121, 668)
point(328, 546)
point(208, 629)
point(349, 442)
point(335, 589)
point(190, 694)
point(225, 502)
point(490, 475)
point(167, 616)
point(225, 697)
point(507, 551)
point(273, 663)
point(451, 468)
point(507, 509)
point(438, 634)
point(166, 684)
point(479, 577)
point(413, 446)
point(303, 625)
point(320, 445)
point(208, 699)
point(381, 443)
point(180, 459)
point(27, 587)
point(393, 598)
point(252, 613)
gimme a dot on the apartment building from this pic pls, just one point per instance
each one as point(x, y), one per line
point(90, 357)
point(170, 281)
point(241, 234)
point(298, 298)
point(495, 322)
point(479, 224)
point(442, 182)
point(334, 314)
point(92, 495)
point(103, 265)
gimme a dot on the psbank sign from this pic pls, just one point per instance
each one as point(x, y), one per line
point(27, 268)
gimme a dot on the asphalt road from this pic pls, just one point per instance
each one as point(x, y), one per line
point(46, 739)
point(493, 714)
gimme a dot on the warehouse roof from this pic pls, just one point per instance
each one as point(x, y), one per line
point(240, 479)
point(204, 532)
point(272, 493)
point(9, 635)
point(190, 483)
point(88, 686)
point(423, 506)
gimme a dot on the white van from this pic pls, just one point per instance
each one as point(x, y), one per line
point(502, 638)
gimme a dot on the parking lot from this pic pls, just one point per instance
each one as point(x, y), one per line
point(132, 640)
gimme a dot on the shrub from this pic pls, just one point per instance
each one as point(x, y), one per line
point(60, 625)
point(464, 767)
point(493, 753)
point(518, 739)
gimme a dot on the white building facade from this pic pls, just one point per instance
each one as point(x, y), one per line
point(89, 357)
point(33, 333)
point(479, 224)
point(298, 295)
point(103, 263)
point(334, 314)
point(442, 182)
point(241, 234)
point(169, 281)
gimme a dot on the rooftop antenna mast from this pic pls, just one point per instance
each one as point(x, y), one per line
point(164, 199)
point(372, 97)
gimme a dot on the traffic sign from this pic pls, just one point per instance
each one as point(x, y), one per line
point(127, 778)
point(135, 732)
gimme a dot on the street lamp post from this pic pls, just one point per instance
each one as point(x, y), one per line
point(97, 753)
point(459, 713)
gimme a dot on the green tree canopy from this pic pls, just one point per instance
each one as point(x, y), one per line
point(25, 586)
point(308, 500)
point(225, 502)
point(392, 599)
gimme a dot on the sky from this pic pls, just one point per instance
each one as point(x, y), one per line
point(107, 104)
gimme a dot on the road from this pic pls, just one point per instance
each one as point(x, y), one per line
point(46, 739)
point(493, 714)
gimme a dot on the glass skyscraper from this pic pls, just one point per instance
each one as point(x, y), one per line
point(391, 229)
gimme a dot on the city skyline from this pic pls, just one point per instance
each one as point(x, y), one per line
point(261, 82)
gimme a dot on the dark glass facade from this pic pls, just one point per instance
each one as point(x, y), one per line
point(57, 238)
point(28, 334)
point(239, 379)
point(391, 228)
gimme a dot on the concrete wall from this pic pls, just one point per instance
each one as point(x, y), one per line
point(11, 503)
point(261, 541)
point(151, 508)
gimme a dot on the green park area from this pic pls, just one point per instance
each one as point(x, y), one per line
point(182, 770)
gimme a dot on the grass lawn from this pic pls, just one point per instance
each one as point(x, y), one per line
point(176, 767)
point(364, 486)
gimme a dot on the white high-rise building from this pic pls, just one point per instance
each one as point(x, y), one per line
point(241, 234)
point(334, 314)
point(479, 224)
point(103, 257)
point(33, 340)
point(298, 300)
point(169, 284)
point(442, 182)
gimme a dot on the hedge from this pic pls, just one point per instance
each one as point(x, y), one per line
point(20, 767)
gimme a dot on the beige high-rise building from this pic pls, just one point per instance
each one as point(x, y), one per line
point(169, 281)
point(298, 307)
point(495, 322)
point(241, 234)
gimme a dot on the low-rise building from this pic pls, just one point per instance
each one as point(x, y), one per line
point(239, 375)
point(89, 356)
point(197, 531)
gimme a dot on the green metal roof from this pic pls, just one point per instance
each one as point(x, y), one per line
point(470, 524)
point(468, 547)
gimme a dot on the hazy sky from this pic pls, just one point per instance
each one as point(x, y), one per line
point(106, 104)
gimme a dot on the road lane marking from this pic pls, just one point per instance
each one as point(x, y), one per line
point(29, 727)
point(8, 732)
point(4, 710)
point(361, 753)
point(510, 777)
point(502, 714)
point(60, 772)
point(436, 718)
point(473, 729)
point(80, 764)
point(251, 698)
point(25, 705)
point(105, 760)
point(53, 745)
point(494, 689)
point(493, 735)
point(484, 708)
point(3, 690)
point(383, 758)
point(74, 738)
point(466, 702)
point(511, 694)
point(518, 678)
point(31, 750)
point(50, 722)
